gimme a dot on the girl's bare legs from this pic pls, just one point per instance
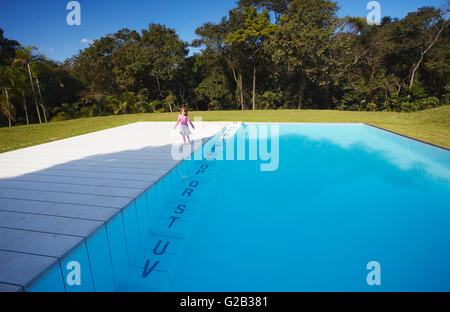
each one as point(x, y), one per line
point(184, 139)
point(189, 139)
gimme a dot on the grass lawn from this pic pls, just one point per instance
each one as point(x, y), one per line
point(431, 125)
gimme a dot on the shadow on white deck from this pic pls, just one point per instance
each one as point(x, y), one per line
point(55, 195)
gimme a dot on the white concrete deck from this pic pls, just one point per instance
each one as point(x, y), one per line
point(54, 195)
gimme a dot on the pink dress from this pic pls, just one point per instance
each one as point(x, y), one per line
point(185, 121)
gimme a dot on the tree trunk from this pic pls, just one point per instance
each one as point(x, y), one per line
point(7, 107)
point(399, 89)
point(241, 87)
point(254, 87)
point(159, 88)
point(301, 91)
point(182, 94)
point(25, 107)
point(34, 93)
point(423, 53)
point(238, 81)
point(162, 95)
point(415, 69)
point(41, 101)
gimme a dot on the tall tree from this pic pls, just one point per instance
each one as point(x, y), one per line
point(7, 49)
point(253, 35)
point(129, 66)
point(416, 35)
point(213, 40)
point(5, 104)
point(166, 52)
point(303, 41)
point(94, 66)
point(18, 82)
point(26, 57)
point(366, 78)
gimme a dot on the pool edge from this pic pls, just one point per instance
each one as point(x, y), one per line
point(408, 137)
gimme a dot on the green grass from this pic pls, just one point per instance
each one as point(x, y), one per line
point(432, 126)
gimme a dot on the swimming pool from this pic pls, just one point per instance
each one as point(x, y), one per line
point(338, 198)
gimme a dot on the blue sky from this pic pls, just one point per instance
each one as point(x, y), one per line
point(42, 23)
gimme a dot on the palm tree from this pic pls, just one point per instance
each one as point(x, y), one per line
point(25, 57)
point(21, 78)
point(127, 105)
point(19, 83)
point(41, 100)
point(5, 105)
point(104, 105)
point(66, 110)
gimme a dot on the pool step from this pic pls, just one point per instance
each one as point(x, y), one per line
point(173, 227)
point(156, 243)
point(148, 261)
point(188, 213)
point(150, 236)
point(154, 282)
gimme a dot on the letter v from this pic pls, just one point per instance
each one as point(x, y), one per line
point(147, 271)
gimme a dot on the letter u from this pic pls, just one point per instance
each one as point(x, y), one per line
point(160, 253)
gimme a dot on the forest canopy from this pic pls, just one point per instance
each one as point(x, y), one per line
point(265, 54)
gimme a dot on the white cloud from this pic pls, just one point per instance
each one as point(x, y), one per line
point(84, 40)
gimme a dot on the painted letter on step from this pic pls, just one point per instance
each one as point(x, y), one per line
point(160, 253)
point(148, 270)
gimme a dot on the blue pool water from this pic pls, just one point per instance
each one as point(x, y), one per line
point(342, 196)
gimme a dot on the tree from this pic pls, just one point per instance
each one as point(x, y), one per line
point(303, 40)
point(129, 67)
point(127, 105)
point(66, 111)
point(57, 85)
point(366, 78)
point(25, 57)
point(166, 52)
point(7, 49)
point(19, 86)
point(5, 104)
point(94, 66)
point(253, 35)
point(215, 90)
point(417, 34)
point(215, 38)
point(278, 7)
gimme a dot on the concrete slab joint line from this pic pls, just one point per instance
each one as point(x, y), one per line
point(55, 196)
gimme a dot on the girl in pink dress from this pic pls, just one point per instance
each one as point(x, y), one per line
point(185, 121)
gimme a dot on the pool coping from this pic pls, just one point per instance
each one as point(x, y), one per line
point(407, 137)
